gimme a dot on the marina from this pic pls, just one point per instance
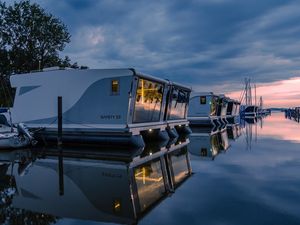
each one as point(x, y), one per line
point(151, 113)
point(125, 156)
point(109, 107)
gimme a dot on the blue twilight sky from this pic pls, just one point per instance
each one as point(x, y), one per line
point(210, 45)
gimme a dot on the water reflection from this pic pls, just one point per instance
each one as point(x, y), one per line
point(234, 132)
point(45, 185)
point(209, 143)
point(276, 126)
point(260, 186)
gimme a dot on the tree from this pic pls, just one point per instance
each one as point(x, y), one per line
point(32, 37)
point(4, 59)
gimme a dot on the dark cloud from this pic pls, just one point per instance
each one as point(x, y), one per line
point(211, 43)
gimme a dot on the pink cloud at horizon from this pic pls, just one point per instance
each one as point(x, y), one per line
point(285, 93)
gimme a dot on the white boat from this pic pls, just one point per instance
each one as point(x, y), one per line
point(99, 105)
point(13, 137)
point(13, 140)
point(203, 108)
point(250, 111)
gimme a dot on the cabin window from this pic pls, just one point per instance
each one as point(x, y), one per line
point(179, 100)
point(115, 87)
point(148, 102)
point(213, 106)
point(203, 100)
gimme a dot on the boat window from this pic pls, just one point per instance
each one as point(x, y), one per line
point(213, 106)
point(203, 100)
point(115, 89)
point(179, 101)
point(148, 101)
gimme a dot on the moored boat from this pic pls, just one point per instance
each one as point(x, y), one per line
point(203, 109)
point(11, 136)
point(114, 106)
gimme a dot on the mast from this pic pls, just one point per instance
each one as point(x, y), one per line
point(246, 91)
point(250, 93)
point(255, 94)
point(261, 102)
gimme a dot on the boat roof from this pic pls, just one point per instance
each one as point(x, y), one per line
point(195, 94)
point(181, 86)
point(36, 77)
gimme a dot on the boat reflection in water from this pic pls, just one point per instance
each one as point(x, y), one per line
point(208, 143)
point(234, 131)
point(120, 188)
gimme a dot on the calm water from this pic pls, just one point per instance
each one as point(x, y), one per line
point(248, 174)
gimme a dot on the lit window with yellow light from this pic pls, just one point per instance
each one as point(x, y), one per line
point(115, 87)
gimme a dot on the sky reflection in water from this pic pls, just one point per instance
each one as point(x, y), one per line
point(235, 183)
point(243, 186)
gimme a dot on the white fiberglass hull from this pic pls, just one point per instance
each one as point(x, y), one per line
point(13, 140)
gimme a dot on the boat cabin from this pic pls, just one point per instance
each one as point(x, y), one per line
point(250, 111)
point(203, 108)
point(97, 103)
point(203, 104)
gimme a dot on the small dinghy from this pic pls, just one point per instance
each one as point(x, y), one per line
point(14, 137)
point(13, 140)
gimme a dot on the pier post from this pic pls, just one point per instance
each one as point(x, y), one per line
point(61, 173)
point(59, 120)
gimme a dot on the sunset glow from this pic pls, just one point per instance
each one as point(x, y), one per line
point(285, 93)
point(271, 124)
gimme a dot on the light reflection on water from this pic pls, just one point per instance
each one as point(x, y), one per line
point(246, 174)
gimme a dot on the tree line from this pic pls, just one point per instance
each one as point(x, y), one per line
point(30, 40)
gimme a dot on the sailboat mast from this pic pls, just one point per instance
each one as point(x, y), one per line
point(250, 93)
point(255, 94)
point(246, 91)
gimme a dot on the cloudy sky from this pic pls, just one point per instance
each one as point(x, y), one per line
point(211, 45)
